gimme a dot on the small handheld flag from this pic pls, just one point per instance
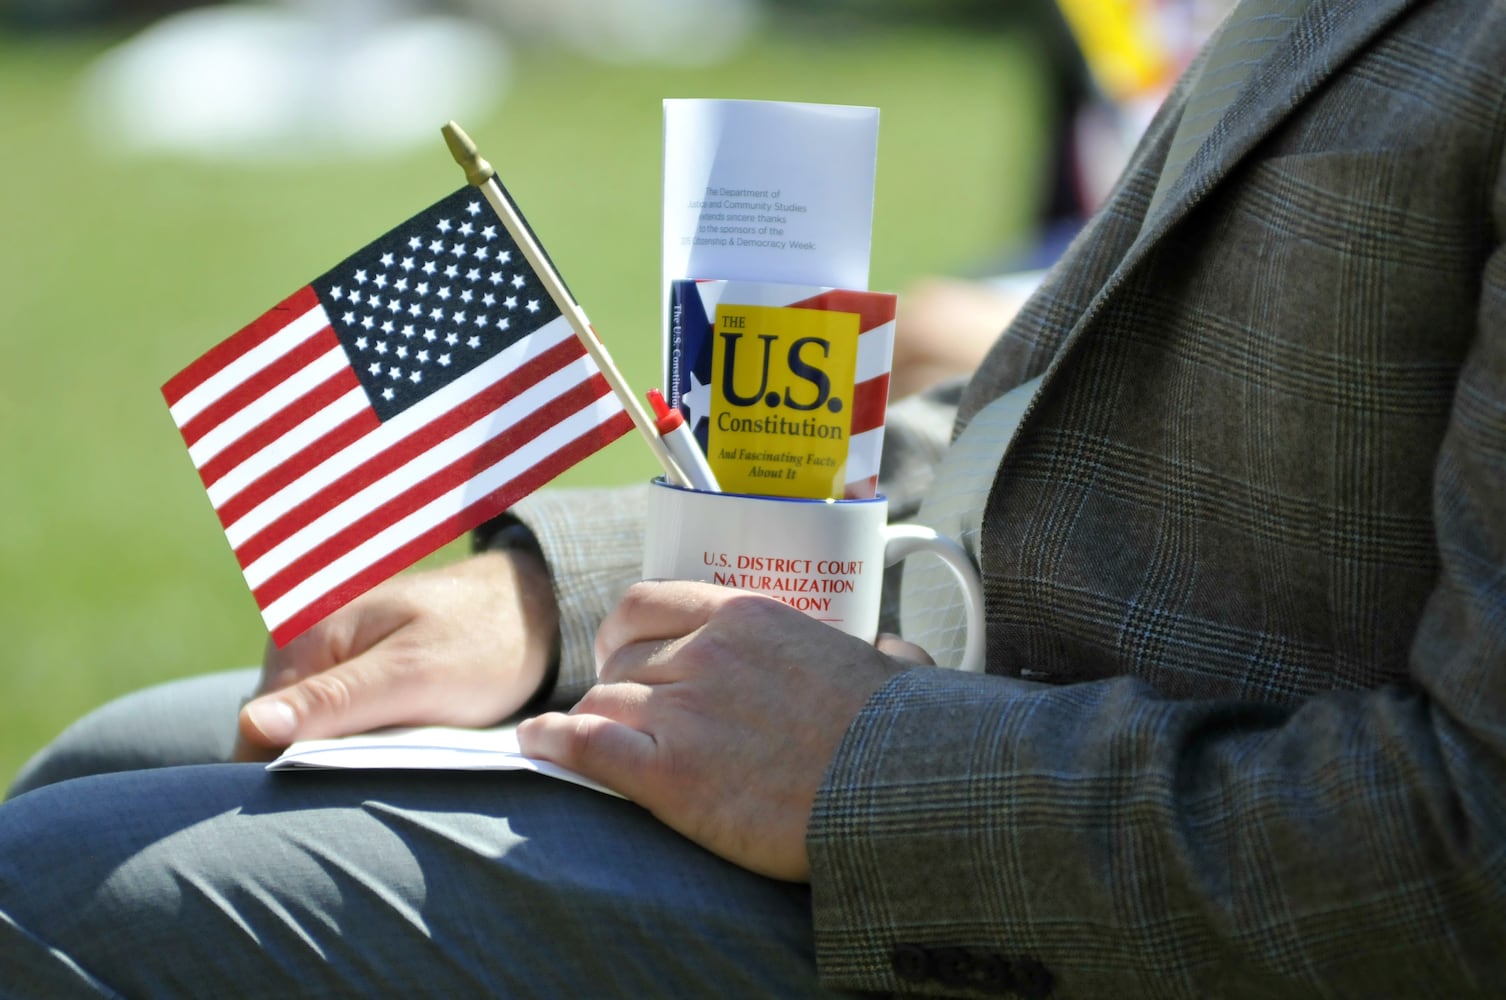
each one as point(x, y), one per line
point(409, 394)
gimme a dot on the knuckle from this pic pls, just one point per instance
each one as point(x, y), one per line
point(754, 610)
point(585, 738)
point(638, 596)
point(402, 663)
point(610, 669)
point(740, 619)
point(327, 694)
point(586, 741)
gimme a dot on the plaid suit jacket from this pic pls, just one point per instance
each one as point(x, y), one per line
point(1253, 527)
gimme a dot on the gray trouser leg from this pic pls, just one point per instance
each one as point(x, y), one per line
point(182, 722)
point(226, 880)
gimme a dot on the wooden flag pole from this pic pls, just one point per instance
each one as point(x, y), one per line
point(479, 173)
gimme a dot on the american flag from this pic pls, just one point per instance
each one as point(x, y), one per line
point(416, 390)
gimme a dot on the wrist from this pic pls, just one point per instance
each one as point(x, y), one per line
point(537, 606)
point(540, 613)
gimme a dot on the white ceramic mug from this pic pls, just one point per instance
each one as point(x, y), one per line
point(823, 557)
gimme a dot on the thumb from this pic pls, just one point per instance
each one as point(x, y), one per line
point(353, 697)
point(269, 722)
point(892, 645)
point(602, 749)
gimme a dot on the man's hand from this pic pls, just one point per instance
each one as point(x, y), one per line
point(465, 645)
point(719, 711)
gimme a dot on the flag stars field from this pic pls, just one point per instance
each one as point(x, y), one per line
point(383, 273)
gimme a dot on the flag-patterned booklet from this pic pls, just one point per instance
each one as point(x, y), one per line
point(784, 386)
point(414, 391)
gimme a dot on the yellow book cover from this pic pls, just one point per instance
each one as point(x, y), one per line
point(785, 386)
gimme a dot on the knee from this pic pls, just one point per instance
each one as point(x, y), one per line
point(188, 721)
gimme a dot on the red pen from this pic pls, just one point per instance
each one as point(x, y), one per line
point(681, 444)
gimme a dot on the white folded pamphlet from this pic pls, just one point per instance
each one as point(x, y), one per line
point(426, 748)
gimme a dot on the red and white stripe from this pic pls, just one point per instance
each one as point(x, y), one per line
point(320, 500)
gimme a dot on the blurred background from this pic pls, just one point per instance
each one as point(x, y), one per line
point(172, 169)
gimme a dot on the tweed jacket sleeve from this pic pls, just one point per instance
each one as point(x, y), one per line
point(1253, 529)
point(591, 539)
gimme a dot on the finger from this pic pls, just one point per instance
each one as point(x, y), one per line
point(373, 690)
point(269, 727)
point(649, 661)
point(892, 645)
point(349, 631)
point(626, 702)
point(604, 750)
point(319, 648)
point(655, 610)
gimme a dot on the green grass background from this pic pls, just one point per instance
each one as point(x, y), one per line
point(118, 271)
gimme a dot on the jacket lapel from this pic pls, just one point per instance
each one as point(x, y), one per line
point(1325, 36)
point(1322, 41)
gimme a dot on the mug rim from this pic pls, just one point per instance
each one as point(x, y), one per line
point(660, 481)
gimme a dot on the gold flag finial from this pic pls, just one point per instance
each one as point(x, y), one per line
point(477, 170)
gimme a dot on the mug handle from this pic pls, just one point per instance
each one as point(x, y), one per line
point(904, 540)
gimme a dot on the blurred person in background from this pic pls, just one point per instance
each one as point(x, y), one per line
point(306, 80)
point(1108, 67)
